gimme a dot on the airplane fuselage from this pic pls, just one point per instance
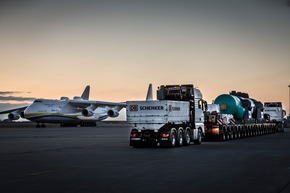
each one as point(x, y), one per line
point(60, 111)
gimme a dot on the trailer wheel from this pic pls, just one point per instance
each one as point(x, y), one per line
point(187, 137)
point(235, 132)
point(228, 134)
point(179, 137)
point(172, 139)
point(198, 140)
point(239, 134)
point(231, 134)
point(223, 136)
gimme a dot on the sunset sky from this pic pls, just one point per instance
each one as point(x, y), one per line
point(55, 48)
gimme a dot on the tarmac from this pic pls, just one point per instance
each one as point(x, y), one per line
point(100, 160)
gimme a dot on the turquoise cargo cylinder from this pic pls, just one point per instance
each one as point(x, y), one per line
point(230, 104)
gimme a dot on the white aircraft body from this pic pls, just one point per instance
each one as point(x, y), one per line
point(66, 112)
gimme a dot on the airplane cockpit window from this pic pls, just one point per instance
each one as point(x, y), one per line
point(38, 101)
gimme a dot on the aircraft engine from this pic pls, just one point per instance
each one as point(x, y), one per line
point(13, 116)
point(87, 112)
point(112, 113)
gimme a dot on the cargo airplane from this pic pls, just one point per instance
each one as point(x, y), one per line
point(67, 112)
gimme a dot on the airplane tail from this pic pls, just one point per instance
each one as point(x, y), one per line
point(149, 96)
point(86, 93)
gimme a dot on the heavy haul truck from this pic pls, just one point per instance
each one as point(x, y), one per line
point(276, 114)
point(236, 115)
point(176, 118)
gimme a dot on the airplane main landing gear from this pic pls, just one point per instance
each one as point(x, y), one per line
point(40, 126)
point(88, 124)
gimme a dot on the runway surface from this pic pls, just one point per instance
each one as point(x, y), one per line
point(99, 159)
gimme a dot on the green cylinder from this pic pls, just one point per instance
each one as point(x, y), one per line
point(230, 104)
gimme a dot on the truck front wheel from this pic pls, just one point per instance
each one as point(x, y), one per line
point(198, 140)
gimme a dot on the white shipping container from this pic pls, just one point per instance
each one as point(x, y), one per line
point(157, 112)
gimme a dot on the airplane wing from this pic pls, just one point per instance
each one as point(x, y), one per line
point(12, 110)
point(87, 103)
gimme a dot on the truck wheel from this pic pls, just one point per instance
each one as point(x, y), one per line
point(186, 140)
point(179, 137)
point(198, 140)
point(172, 139)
